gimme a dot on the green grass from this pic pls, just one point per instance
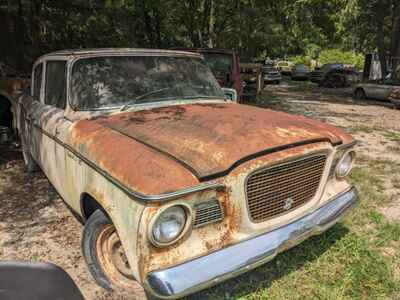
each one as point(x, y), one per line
point(349, 261)
point(393, 136)
point(360, 128)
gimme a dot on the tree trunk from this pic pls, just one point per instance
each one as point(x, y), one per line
point(395, 49)
point(380, 38)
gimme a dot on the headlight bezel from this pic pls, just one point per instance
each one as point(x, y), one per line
point(186, 228)
point(350, 152)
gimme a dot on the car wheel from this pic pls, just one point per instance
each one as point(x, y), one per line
point(105, 256)
point(359, 94)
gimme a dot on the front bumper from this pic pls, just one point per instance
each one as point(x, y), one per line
point(208, 270)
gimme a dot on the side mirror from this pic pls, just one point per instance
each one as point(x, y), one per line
point(230, 94)
point(44, 281)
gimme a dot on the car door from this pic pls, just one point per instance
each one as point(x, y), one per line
point(51, 119)
point(382, 91)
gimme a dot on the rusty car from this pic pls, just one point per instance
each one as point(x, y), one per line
point(178, 187)
point(224, 63)
point(253, 79)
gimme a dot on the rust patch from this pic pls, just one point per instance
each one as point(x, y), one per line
point(209, 139)
point(130, 162)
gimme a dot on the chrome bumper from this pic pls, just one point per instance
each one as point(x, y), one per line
point(208, 270)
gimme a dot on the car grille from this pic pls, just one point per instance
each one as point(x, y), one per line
point(208, 212)
point(282, 188)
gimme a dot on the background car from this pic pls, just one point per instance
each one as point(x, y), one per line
point(300, 72)
point(337, 78)
point(318, 74)
point(224, 64)
point(285, 67)
point(379, 90)
point(271, 74)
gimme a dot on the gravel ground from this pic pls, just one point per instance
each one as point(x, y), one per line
point(35, 225)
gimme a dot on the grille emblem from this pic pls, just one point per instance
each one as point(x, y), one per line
point(288, 204)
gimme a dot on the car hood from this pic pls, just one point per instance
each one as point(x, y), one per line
point(211, 139)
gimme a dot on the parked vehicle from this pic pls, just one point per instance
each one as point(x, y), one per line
point(318, 74)
point(300, 72)
point(252, 75)
point(224, 64)
point(337, 78)
point(12, 85)
point(169, 176)
point(285, 67)
point(379, 90)
point(271, 74)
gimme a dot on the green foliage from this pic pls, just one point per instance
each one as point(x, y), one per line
point(302, 29)
point(301, 59)
point(339, 56)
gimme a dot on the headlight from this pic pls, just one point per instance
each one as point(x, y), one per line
point(169, 225)
point(345, 164)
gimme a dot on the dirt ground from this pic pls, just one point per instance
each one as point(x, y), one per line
point(35, 225)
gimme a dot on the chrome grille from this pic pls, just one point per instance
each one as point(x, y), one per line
point(208, 212)
point(282, 188)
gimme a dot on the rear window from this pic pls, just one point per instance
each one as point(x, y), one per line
point(55, 84)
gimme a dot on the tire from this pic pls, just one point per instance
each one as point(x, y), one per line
point(359, 94)
point(93, 231)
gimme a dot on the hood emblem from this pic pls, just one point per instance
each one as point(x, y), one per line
point(288, 203)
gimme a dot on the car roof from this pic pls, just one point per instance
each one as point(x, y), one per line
point(206, 50)
point(119, 51)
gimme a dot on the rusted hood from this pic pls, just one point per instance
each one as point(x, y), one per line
point(210, 139)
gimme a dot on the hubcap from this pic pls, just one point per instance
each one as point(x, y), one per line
point(112, 258)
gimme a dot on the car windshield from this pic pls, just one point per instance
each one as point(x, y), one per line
point(118, 81)
point(301, 68)
point(219, 63)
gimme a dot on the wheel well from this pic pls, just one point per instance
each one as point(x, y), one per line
point(89, 205)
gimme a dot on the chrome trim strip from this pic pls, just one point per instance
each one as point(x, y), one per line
point(346, 146)
point(206, 271)
point(127, 190)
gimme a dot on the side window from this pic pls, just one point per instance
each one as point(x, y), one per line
point(55, 84)
point(37, 80)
